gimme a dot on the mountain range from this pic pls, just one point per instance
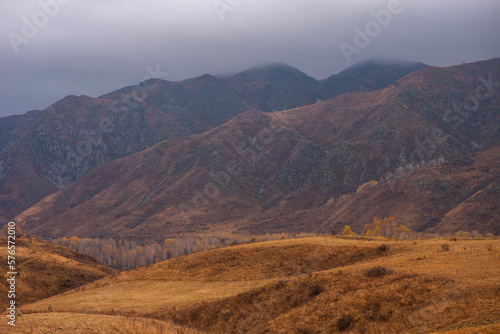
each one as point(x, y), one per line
point(224, 157)
point(44, 150)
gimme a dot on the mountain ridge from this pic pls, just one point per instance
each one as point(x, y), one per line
point(262, 165)
point(43, 151)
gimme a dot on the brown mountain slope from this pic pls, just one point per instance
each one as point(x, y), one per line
point(45, 270)
point(335, 285)
point(43, 151)
point(259, 166)
point(459, 196)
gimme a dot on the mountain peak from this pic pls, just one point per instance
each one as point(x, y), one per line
point(275, 86)
point(272, 66)
point(369, 75)
point(385, 61)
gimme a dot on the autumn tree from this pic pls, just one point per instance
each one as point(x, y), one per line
point(347, 231)
point(387, 227)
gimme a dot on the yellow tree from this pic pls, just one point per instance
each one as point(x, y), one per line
point(347, 231)
point(169, 242)
point(403, 232)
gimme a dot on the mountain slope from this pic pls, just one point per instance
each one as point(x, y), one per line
point(368, 76)
point(275, 87)
point(260, 166)
point(43, 151)
point(47, 150)
point(458, 196)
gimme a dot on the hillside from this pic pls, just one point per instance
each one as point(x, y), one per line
point(64, 323)
point(334, 285)
point(45, 270)
point(47, 150)
point(457, 196)
point(367, 76)
point(261, 166)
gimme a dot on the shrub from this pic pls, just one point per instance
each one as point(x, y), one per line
point(382, 248)
point(316, 290)
point(344, 322)
point(333, 232)
point(302, 331)
point(445, 247)
point(489, 247)
point(377, 271)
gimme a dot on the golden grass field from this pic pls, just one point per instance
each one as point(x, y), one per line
point(72, 323)
point(310, 285)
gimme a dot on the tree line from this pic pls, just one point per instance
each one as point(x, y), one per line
point(124, 254)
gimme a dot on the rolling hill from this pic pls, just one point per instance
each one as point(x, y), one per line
point(310, 285)
point(45, 270)
point(262, 166)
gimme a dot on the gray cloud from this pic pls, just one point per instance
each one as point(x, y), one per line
point(93, 47)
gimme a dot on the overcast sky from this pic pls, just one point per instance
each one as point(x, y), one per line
point(92, 47)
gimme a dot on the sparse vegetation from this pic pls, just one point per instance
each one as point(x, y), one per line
point(345, 322)
point(316, 290)
point(382, 248)
point(377, 272)
point(445, 247)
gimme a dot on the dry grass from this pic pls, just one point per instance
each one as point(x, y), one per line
point(488, 329)
point(65, 323)
point(140, 296)
point(311, 285)
point(274, 259)
point(45, 270)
